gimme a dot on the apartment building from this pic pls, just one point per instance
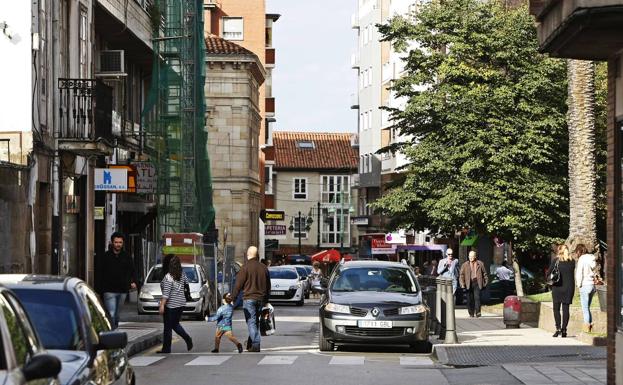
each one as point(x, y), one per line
point(247, 24)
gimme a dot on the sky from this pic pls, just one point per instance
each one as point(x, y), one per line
point(312, 79)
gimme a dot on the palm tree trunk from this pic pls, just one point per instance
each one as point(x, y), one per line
point(582, 171)
point(517, 269)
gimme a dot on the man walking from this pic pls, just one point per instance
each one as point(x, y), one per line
point(449, 268)
point(117, 276)
point(473, 278)
point(253, 280)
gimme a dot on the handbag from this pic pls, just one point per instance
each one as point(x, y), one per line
point(554, 276)
point(187, 292)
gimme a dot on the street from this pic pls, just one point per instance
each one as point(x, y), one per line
point(291, 356)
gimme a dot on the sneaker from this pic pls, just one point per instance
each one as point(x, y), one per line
point(214, 351)
point(254, 349)
point(239, 348)
point(189, 344)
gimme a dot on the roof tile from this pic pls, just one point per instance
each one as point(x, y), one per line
point(218, 45)
point(331, 151)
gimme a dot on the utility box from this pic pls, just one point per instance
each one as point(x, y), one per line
point(512, 312)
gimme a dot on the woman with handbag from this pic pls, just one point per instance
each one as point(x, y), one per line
point(172, 304)
point(560, 277)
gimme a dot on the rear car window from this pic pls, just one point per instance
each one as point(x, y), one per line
point(282, 274)
point(55, 317)
point(387, 279)
point(302, 271)
point(155, 276)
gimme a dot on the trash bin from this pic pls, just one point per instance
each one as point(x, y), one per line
point(512, 311)
point(601, 294)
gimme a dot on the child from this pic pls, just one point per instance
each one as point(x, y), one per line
point(223, 327)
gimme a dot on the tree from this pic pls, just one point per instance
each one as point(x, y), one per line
point(486, 114)
point(582, 169)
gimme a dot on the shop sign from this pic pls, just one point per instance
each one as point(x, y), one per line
point(399, 238)
point(273, 215)
point(108, 179)
point(360, 221)
point(98, 213)
point(145, 177)
point(379, 246)
point(275, 230)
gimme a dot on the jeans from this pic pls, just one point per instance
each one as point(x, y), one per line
point(565, 315)
point(586, 297)
point(252, 310)
point(473, 299)
point(172, 318)
point(113, 302)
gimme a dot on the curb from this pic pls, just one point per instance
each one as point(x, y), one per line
point(143, 343)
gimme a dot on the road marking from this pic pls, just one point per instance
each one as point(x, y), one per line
point(208, 361)
point(416, 361)
point(527, 374)
point(144, 360)
point(347, 360)
point(278, 360)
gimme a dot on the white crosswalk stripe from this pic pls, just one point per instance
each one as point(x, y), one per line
point(208, 361)
point(278, 360)
point(416, 360)
point(145, 360)
point(347, 360)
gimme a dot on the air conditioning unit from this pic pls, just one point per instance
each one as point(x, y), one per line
point(111, 63)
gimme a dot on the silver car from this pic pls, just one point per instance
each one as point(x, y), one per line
point(202, 303)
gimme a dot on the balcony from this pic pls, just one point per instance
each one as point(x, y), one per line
point(270, 56)
point(132, 15)
point(85, 117)
point(388, 163)
point(388, 72)
point(354, 101)
point(354, 21)
point(386, 121)
point(579, 29)
point(354, 60)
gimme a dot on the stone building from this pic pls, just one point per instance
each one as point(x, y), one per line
point(234, 76)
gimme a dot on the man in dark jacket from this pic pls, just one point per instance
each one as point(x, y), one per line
point(473, 277)
point(116, 276)
point(253, 280)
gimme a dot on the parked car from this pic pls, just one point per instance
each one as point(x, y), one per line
point(496, 292)
point(374, 302)
point(305, 279)
point(202, 303)
point(73, 326)
point(23, 358)
point(286, 285)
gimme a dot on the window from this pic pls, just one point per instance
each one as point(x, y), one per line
point(369, 123)
point(305, 144)
point(369, 76)
point(268, 179)
point(83, 44)
point(335, 189)
point(300, 227)
point(365, 121)
point(361, 127)
point(299, 188)
point(370, 162)
point(99, 320)
point(334, 227)
point(618, 258)
point(233, 28)
point(17, 334)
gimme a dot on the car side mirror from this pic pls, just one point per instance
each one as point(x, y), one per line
point(302, 278)
point(320, 289)
point(41, 366)
point(112, 340)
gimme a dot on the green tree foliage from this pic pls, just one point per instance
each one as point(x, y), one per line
point(486, 116)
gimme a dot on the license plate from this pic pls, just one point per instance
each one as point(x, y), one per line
point(375, 324)
point(277, 292)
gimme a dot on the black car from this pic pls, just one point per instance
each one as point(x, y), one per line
point(22, 356)
point(373, 302)
point(73, 326)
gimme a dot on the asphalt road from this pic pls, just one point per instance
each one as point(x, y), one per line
point(291, 357)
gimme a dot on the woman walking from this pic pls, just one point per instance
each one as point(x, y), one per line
point(172, 305)
point(584, 279)
point(564, 289)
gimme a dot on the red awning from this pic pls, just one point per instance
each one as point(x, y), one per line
point(329, 256)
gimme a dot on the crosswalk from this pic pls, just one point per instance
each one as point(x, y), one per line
point(276, 359)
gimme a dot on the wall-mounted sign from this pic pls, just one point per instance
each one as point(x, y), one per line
point(272, 215)
point(98, 213)
point(399, 238)
point(131, 176)
point(109, 179)
point(145, 177)
point(360, 221)
point(379, 246)
point(275, 230)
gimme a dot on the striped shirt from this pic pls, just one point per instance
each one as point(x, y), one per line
point(173, 291)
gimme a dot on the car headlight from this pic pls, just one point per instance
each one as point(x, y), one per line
point(146, 295)
point(336, 308)
point(195, 295)
point(412, 309)
point(295, 287)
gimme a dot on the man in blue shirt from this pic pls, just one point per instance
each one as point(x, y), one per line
point(449, 268)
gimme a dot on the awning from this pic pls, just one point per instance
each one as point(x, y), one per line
point(329, 256)
point(470, 240)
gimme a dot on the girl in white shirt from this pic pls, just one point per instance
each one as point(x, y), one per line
point(584, 280)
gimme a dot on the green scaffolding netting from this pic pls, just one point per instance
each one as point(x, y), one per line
point(174, 118)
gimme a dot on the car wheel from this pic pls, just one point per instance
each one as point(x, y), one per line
point(307, 294)
point(323, 344)
point(421, 347)
point(301, 302)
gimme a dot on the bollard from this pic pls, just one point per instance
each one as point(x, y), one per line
point(450, 335)
point(440, 308)
point(432, 304)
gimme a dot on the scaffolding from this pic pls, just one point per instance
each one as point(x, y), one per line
point(174, 118)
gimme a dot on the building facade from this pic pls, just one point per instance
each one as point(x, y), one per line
point(312, 184)
point(591, 30)
point(233, 79)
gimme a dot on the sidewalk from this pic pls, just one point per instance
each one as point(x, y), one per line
point(143, 331)
point(530, 354)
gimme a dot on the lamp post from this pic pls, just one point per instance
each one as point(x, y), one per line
point(299, 230)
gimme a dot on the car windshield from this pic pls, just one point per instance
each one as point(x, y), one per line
point(282, 274)
point(302, 271)
point(156, 274)
point(55, 317)
point(386, 279)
